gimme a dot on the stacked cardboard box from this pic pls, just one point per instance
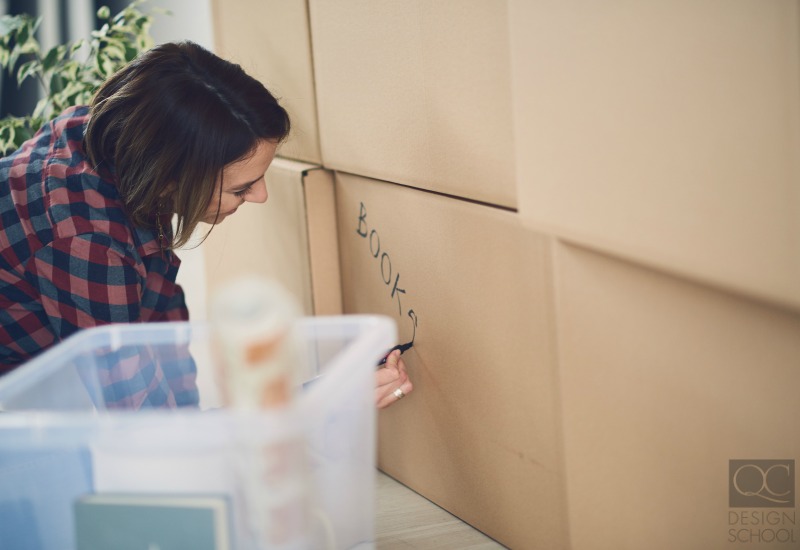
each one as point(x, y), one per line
point(586, 217)
point(471, 288)
point(659, 142)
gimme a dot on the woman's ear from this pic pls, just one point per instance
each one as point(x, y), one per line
point(166, 197)
point(168, 191)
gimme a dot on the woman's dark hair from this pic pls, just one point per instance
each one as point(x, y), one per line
point(168, 123)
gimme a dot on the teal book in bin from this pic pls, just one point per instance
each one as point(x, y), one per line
point(134, 412)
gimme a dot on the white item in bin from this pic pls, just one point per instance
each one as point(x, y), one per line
point(257, 350)
point(259, 356)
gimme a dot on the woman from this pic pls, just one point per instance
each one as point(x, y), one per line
point(86, 205)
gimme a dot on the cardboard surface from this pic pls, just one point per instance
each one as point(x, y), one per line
point(664, 382)
point(291, 238)
point(665, 132)
point(271, 40)
point(479, 433)
point(417, 92)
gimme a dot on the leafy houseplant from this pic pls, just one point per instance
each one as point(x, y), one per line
point(66, 81)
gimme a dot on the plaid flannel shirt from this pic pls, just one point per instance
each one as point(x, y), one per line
point(70, 259)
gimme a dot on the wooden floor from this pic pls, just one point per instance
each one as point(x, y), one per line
point(405, 520)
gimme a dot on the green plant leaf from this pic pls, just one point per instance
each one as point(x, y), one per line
point(114, 48)
point(16, 130)
point(130, 52)
point(108, 66)
point(84, 97)
point(102, 32)
point(69, 69)
point(56, 83)
point(77, 45)
point(53, 56)
point(5, 25)
point(125, 16)
point(29, 68)
point(23, 33)
point(41, 109)
point(13, 58)
point(142, 23)
point(26, 39)
point(7, 135)
point(26, 130)
point(71, 89)
point(122, 30)
point(10, 23)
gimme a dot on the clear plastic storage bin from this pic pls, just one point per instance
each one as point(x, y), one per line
point(68, 431)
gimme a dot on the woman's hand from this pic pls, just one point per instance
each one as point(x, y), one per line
point(391, 381)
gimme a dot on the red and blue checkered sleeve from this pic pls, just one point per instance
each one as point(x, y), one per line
point(175, 309)
point(90, 280)
point(85, 281)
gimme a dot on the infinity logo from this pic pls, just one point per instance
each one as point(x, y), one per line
point(768, 482)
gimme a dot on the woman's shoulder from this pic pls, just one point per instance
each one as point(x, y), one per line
point(66, 133)
point(80, 200)
point(57, 194)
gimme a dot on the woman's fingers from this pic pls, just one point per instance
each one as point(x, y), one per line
point(386, 376)
point(392, 382)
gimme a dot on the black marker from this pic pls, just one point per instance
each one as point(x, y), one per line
point(402, 347)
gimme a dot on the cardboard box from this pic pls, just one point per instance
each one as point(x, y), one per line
point(665, 132)
point(417, 93)
point(479, 433)
point(664, 383)
point(271, 40)
point(291, 238)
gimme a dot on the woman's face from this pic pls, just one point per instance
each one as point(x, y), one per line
point(242, 181)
